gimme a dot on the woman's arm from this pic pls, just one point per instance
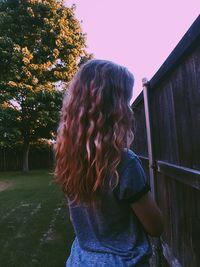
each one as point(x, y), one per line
point(149, 215)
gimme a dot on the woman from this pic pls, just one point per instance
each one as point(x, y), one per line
point(111, 207)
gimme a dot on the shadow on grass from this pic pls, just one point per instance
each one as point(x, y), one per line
point(35, 230)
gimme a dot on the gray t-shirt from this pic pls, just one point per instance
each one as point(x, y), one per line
point(113, 227)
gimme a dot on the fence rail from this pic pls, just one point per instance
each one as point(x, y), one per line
point(39, 158)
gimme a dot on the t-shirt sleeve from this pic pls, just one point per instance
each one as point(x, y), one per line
point(132, 181)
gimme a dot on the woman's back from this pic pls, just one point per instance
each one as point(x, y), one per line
point(112, 227)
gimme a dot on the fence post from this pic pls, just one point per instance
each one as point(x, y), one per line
point(152, 163)
point(157, 248)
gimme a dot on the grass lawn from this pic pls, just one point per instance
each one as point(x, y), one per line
point(35, 230)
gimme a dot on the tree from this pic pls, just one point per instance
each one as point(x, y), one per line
point(41, 47)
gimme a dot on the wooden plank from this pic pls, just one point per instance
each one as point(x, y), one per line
point(184, 175)
point(154, 100)
point(182, 116)
point(164, 122)
point(140, 139)
point(164, 201)
point(193, 83)
point(149, 133)
point(171, 259)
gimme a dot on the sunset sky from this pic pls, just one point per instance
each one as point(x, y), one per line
point(136, 33)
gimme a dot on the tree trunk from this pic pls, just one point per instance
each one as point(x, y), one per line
point(25, 156)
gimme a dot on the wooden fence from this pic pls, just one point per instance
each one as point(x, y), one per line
point(40, 157)
point(174, 110)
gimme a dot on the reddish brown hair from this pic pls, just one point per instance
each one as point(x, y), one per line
point(95, 122)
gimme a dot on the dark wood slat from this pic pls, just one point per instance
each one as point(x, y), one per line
point(169, 255)
point(184, 175)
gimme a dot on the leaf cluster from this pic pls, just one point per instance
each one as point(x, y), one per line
point(41, 47)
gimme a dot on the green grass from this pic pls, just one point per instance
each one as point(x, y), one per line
point(35, 230)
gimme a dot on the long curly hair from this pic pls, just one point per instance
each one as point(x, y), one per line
point(95, 127)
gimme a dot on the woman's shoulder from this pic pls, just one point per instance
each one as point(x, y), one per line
point(129, 154)
point(128, 157)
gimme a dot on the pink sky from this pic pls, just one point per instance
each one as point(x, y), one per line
point(136, 33)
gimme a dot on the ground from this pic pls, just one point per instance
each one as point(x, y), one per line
point(4, 185)
point(35, 230)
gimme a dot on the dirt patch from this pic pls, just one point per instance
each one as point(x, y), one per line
point(4, 185)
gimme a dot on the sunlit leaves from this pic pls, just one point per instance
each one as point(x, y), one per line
point(41, 44)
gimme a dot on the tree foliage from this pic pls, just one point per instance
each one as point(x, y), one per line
point(41, 48)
